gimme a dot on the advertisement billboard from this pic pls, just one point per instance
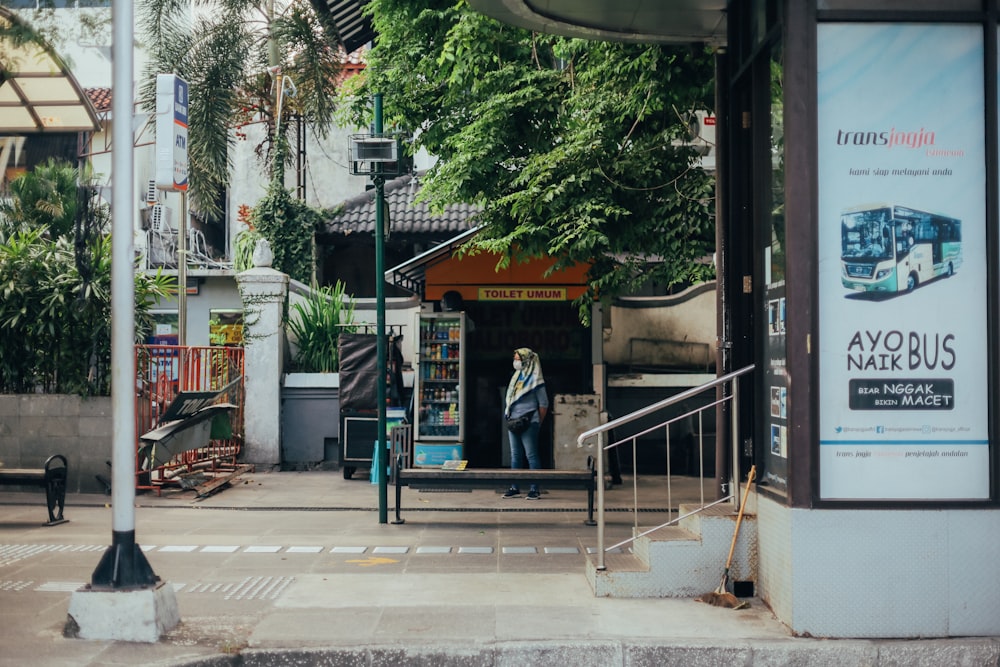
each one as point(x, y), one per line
point(902, 263)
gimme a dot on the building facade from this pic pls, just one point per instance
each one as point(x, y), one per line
point(858, 214)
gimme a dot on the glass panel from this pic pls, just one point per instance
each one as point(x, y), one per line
point(758, 21)
point(164, 328)
point(225, 327)
point(775, 457)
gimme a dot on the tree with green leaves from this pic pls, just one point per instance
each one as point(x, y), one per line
point(289, 225)
point(574, 149)
point(236, 55)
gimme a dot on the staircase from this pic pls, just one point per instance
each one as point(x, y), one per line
point(686, 560)
point(685, 557)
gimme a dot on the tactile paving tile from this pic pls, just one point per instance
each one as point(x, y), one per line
point(11, 553)
point(14, 586)
point(520, 550)
point(475, 550)
point(433, 550)
point(391, 550)
point(259, 588)
point(348, 550)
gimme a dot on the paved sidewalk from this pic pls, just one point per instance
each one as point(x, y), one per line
point(293, 568)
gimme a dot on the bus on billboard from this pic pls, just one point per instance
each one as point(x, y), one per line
point(890, 249)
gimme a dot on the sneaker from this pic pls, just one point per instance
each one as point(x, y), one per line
point(534, 495)
point(512, 493)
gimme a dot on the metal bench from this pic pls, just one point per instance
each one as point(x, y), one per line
point(485, 478)
point(52, 478)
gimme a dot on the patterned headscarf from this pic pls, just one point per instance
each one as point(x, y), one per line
point(526, 379)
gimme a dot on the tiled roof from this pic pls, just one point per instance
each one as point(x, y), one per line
point(405, 215)
point(100, 98)
point(352, 64)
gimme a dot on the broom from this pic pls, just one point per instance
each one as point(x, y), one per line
point(721, 597)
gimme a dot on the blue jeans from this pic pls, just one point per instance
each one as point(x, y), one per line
point(524, 448)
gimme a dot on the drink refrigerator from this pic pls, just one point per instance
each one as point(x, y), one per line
point(439, 389)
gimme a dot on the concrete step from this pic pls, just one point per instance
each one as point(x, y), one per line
point(681, 561)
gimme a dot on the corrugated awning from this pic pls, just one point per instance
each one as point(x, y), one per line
point(38, 93)
point(354, 26)
point(432, 274)
point(411, 274)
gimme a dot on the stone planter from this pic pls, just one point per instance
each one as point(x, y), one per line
point(310, 419)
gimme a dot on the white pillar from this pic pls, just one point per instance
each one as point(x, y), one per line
point(264, 291)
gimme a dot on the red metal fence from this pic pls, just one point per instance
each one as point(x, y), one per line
point(164, 370)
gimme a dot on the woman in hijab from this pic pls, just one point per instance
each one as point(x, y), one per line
point(525, 408)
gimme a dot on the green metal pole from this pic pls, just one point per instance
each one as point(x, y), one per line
point(381, 458)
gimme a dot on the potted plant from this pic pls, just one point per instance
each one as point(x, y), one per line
point(310, 412)
point(315, 323)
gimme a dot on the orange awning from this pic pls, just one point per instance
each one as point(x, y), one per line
point(475, 277)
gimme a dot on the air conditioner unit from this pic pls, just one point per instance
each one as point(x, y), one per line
point(700, 136)
point(159, 218)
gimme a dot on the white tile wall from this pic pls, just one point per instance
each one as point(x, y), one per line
point(881, 573)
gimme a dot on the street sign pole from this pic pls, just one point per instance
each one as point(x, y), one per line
point(381, 459)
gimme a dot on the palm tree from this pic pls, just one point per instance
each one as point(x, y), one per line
point(44, 198)
point(236, 55)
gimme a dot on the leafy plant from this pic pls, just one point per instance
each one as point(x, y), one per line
point(55, 297)
point(55, 326)
point(235, 54)
point(289, 225)
point(243, 246)
point(316, 322)
point(44, 198)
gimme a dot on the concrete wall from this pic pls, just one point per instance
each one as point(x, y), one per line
point(881, 573)
point(35, 426)
point(667, 331)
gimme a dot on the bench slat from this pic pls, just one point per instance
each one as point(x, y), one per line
point(6, 474)
point(492, 474)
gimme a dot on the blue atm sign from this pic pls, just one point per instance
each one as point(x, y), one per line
point(171, 132)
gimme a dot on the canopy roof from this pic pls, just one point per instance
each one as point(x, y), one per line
point(647, 21)
point(650, 21)
point(38, 93)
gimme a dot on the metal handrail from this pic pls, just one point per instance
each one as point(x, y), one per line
point(601, 433)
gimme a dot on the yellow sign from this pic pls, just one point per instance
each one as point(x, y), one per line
point(522, 294)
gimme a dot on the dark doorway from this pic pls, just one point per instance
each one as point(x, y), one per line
point(554, 331)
